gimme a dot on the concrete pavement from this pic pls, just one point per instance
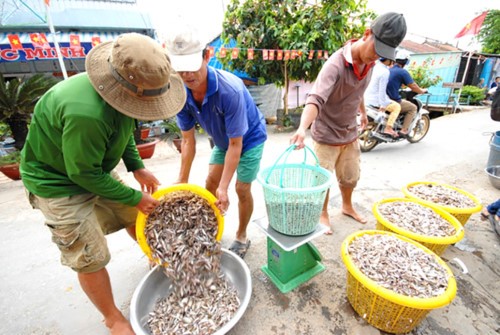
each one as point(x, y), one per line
point(39, 296)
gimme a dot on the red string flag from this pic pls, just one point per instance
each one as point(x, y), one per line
point(250, 53)
point(271, 55)
point(473, 27)
point(264, 54)
point(74, 41)
point(311, 54)
point(280, 55)
point(211, 51)
point(320, 54)
point(96, 40)
point(222, 52)
point(39, 40)
point(14, 41)
point(287, 54)
point(234, 53)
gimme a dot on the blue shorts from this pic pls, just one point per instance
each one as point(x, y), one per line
point(249, 164)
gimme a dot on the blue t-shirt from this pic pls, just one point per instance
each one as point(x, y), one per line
point(397, 77)
point(228, 111)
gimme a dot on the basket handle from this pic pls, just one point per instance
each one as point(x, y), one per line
point(286, 154)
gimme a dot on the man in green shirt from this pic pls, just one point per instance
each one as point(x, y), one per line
point(80, 131)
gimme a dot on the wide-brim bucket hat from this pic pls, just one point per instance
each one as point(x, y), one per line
point(133, 74)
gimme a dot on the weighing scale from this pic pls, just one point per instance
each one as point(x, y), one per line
point(291, 260)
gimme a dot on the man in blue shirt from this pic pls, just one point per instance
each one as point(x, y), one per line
point(222, 105)
point(399, 76)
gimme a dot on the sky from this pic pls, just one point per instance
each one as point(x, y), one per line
point(436, 19)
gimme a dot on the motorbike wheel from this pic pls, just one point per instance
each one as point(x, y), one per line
point(366, 142)
point(420, 130)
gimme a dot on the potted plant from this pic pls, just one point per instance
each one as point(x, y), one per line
point(173, 132)
point(18, 97)
point(9, 164)
point(145, 145)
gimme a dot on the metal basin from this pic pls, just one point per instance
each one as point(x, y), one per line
point(155, 285)
point(494, 175)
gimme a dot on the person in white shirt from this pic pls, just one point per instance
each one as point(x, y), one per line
point(376, 95)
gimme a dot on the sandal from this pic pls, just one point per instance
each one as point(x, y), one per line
point(239, 248)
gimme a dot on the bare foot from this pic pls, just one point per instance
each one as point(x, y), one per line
point(352, 214)
point(325, 220)
point(121, 326)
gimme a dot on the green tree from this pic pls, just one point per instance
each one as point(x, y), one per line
point(290, 25)
point(18, 97)
point(489, 35)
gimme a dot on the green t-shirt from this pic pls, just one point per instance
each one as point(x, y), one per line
point(75, 140)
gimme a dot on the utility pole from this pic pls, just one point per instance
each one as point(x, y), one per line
point(54, 39)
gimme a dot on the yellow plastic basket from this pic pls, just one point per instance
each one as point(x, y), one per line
point(437, 244)
point(386, 309)
point(140, 224)
point(462, 214)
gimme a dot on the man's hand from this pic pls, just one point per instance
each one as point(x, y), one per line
point(222, 202)
point(147, 180)
point(147, 203)
point(298, 138)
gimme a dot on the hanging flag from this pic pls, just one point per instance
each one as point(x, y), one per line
point(47, 2)
point(35, 40)
point(320, 54)
point(44, 41)
point(264, 54)
point(74, 41)
point(287, 54)
point(271, 55)
point(250, 54)
point(222, 52)
point(234, 53)
point(311, 54)
point(299, 53)
point(279, 55)
point(294, 54)
point(473, 27)
point(95, 40)
point(325, 54)
point(14, 41)
point(211, 52)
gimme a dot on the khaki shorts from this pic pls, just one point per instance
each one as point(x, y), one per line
point(343, 159)
point(78, 224)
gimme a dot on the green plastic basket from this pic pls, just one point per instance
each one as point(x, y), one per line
point(294, 193)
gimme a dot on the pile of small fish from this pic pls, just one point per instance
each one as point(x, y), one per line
point(416, 218)
point(442, 195)
point(181, 233)
point(398, 265)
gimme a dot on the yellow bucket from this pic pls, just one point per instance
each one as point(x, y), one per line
point(437, 244)
point(462, 214)
point(383, 308)
point(140, 224)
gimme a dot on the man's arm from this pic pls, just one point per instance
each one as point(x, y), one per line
point(417, 89)
point(231, 162)
point(309, 114)
point(188, 151)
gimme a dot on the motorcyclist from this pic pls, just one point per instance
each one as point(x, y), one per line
point(376, 94)
point(399, 76)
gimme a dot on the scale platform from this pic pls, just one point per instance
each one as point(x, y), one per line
point(291, 260)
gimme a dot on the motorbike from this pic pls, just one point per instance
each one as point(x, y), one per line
point(373, 134)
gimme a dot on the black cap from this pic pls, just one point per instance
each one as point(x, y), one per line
point(389, 30)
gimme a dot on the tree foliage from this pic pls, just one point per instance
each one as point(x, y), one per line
point(423, 75)
point(489, 36)
point(290, 25)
